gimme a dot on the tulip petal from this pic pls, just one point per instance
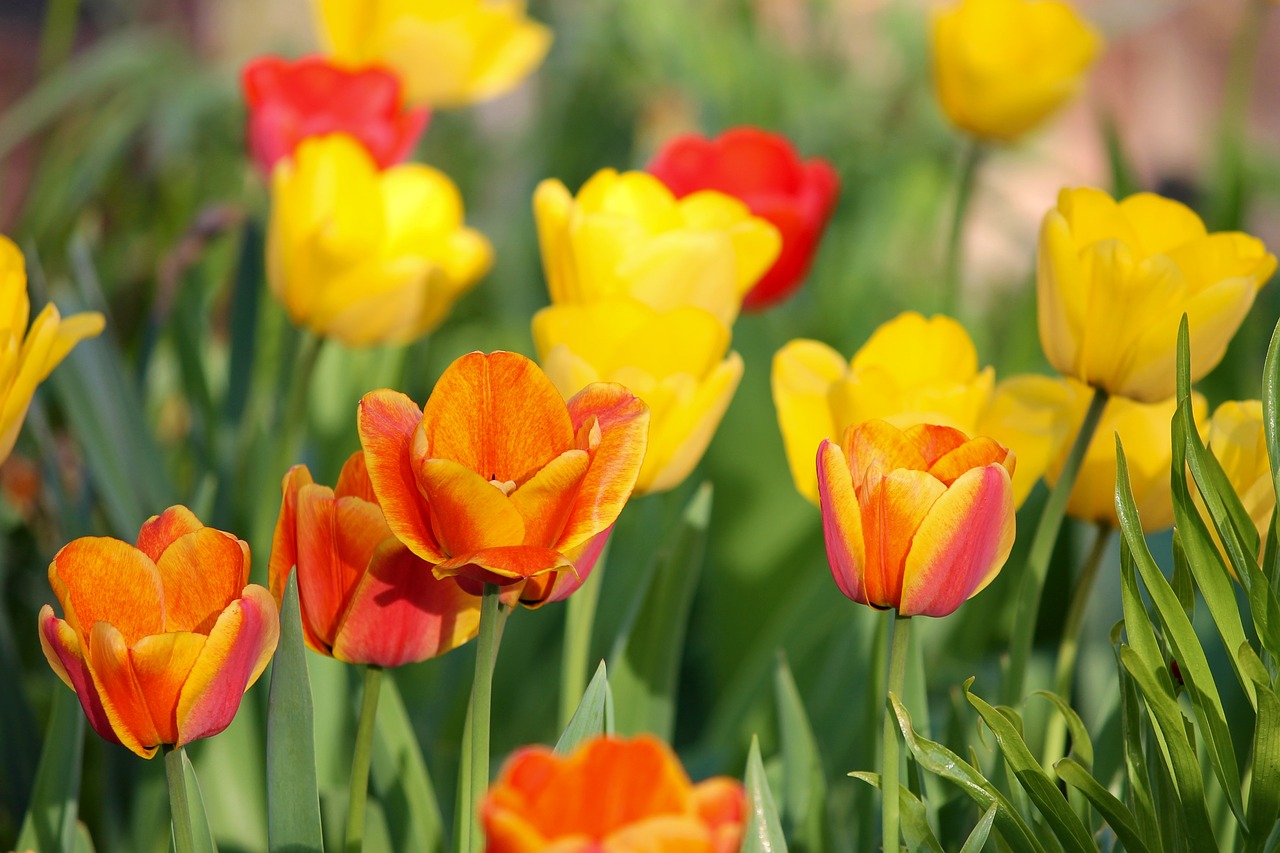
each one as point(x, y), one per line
point(62, 649)
point(502, 566)
point(935, 441)
point(388, 422)
point(353, 480)
point(623, 423)
point(103, 579)
point(976, 453)
point(468, 513)
point(1160, 224)
point(161, 664)
point(117, 686)
point(400, 613)
point(841, 522)
point(880, 447)
point(546, 500)
point(893, 506)
point(961, 544)
point(284, 540)
point(497, 415)
point(202, 573)
point(160, 531)
point(802, 377)
point(237, 650)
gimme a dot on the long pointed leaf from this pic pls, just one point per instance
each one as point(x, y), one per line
point(400, 777)
point(763, 833)
point(913, 817)
point(594, 716)
point(1117, 815)
point(50, 823)
point(804, 790)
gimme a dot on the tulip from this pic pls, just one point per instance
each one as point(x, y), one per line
point(764, 172)
point(161, 640)
point(497, 480)
point(364, 256)
point(290, 101)
point(911, 370)
point(1001, 67)
point(365, 597)
point(674, 360)
point(30, 355)
point(1239, 443)
point(1148, 445)
point(448, 52)
point(920, 519)
point(1115, 278)
point(610, 795)
point(627, 235)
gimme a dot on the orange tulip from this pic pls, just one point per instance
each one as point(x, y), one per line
point(161, 640)
point(365, 597)
point(498, 480)
point(610, 796)
point(920, 519)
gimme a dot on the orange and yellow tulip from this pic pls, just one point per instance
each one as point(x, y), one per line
point(1114, 279)
point(448, 52)
point(160, 640)
point(611, 796)
point(28, 356)
point(911, 370)
point(628, 235)
point(498, 480)
point(920, 519)
point(364, 596)
point(1001, 67)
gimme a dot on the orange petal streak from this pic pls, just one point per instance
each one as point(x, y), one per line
point(961, 544)
point(468, 513)
point(102, 579)
point(977, 453)
point(202, 572)
point(387, 421)
point(877, 447)
point(161, 664)
point(892, 508)
point(160, 531)
point(284, 541)
point(121, 695)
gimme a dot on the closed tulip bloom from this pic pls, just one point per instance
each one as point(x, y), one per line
point(676, 361)
point(498, 480)
point(1148, 446)
point(911, 370)
point(160, 640)
point(610, 796)
point(1115, 278)
point(448, 52)
point(364, 596)
point(364, 256)
point(763, 171)
point(290, 101)
point(920, 519)
point(29, 355)
point(1001, 67)
point(1239, 443)
point(627, 235)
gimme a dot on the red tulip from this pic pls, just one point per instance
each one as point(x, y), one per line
point(764, 172)
point(290, 101)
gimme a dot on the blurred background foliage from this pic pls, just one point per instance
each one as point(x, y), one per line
point(124, 178)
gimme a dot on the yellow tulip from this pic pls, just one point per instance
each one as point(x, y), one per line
point(448, 52)
point(1003, 66)
point(1115, 278)
point(1144, 430)
point(1240, 446)
point(364, 256)
point(911, 371)
point(28, 356)
point(627, 235)
point(673, 360)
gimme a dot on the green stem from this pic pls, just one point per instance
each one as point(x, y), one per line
point(580, 616)
point(59, 33)
point(474, 774)
point(1037, 568)
point(359, 793)
point(899, 630)
point(179, 807)
point(1236, 96)
point(295, 410)
point(971, 157)
point(1069, 650)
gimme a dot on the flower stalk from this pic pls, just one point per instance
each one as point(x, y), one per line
point(363, 757)
point(179, 806)
point(473, 775)
point(898, 628)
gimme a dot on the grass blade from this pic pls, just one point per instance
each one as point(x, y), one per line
point(764, 830)
point(594, 716)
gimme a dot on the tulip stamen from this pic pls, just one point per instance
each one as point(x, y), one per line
point(504, 486)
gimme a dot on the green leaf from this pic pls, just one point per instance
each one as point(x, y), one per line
point(646, 660)
point(978, 838)
point(941, 761)
point(400, 778)
point(1186, 647)
point(293, 798)
point(1116, 813)
point(201, 834)
point(50, 824)
point(1131, 721)
point(594, 716)
point(1081, 744)
point(1271, 403)
point(912, 816)
point(763, 833)
point(1264, 792)
point(1068, 828)
point(804, 792)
